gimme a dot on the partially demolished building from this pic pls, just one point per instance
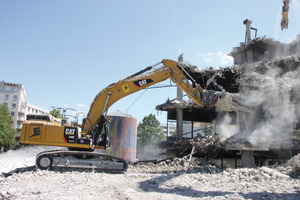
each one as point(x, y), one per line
point(268, 84)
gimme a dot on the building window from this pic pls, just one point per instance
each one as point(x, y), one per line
point(12, 114)
point(6, 96)
point(7, 88)
point(13, 105)
point(5, 103)
point(15, 97)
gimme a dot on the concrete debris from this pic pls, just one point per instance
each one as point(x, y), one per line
point(241, 144)
point(215, 78)
point(19, 170)
point(206, 146)
point(148, 182)
point(264, 49)
point(271, 89)
point(178, 104)
point(295, 163)
point(269, 85)
point(176, 164)
point(292, 167)
point(272, 172)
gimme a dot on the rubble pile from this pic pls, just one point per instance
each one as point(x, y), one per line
point(292, 167)
point(277, 74)
point(215, 78)
point(175, 164)
point(176, 178)
point(178, 104)
point(264, 49)
point(206, 146)
point(136, 183)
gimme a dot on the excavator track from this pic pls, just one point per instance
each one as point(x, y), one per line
point(80, 159)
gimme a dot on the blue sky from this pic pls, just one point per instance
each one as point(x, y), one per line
point(65, 52)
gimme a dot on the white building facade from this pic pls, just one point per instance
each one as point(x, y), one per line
point(14, 96)
point(168, 129)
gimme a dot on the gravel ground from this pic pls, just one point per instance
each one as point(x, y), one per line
point(171, 179)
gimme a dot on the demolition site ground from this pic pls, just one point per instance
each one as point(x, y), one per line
point(269, 86)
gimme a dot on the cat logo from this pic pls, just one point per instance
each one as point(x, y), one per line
point(70, 131)
point(70, 134)
point(125, 88)
point(143, 82)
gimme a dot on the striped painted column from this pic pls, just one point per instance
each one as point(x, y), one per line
point(123, 137)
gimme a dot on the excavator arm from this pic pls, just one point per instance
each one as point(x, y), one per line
point(146, 78)
point(135, 83)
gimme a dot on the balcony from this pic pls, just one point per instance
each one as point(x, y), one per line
point(22, 110)
point(19, 126)
point(18, 134)
point(21, 118)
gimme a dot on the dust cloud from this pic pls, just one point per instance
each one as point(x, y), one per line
point(22, 157)
point(270, 88)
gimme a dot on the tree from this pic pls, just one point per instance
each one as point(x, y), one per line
point(7, 132)
point(55, 113)
point(149, 132)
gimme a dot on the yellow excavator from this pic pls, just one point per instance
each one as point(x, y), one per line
point(81, 140)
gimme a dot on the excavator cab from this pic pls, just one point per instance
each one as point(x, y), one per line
point(101, 134)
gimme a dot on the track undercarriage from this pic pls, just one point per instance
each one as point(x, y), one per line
point(80, 159)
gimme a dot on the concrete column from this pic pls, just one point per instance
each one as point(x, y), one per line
point(248, 159)
point(179, 116)
point(249, 56)
point(248, 22)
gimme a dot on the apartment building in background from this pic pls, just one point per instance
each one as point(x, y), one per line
point(168, 128)
point(14, 96)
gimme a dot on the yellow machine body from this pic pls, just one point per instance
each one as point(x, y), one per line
point(40, 132)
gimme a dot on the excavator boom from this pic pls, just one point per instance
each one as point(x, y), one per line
point(137, 82)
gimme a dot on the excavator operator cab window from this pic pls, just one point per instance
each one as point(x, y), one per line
point(107, 134)
point(38, 117)
point(102, 136)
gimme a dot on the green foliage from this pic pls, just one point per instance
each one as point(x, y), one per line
point(7, 132)
point(55, 113)
point(173, 133)
point(149, 132)
point(208, 131)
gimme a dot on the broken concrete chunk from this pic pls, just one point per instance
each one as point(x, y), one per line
point(274, 173)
